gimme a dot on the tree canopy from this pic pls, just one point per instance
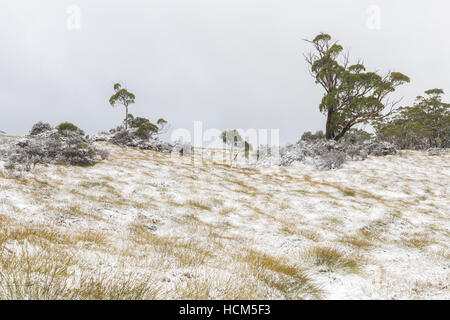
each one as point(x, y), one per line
point(122, 97)
point(425, 124)
point(352, 95)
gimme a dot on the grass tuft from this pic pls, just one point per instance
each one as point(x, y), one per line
point(332, 259)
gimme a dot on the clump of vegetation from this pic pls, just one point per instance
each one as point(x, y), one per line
point(39, 128)
point(331, 160)
point(357, 136)
point(277, 273)
point(310, 137)
point(69, 127)
point(67, 145)
point(146, 130)
point(233, 139)
point(136, 122)
point(331, 259)
point(424, 125)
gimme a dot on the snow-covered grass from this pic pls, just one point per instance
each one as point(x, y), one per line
point(148, 225)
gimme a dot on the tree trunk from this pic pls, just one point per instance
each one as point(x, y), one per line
point(329, 133)
point(341, 134)
point(126, 117)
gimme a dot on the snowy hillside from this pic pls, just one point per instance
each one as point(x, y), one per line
point(145, 224)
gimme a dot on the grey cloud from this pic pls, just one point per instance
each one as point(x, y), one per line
point(229, 63)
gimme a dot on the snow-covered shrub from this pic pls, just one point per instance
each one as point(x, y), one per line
point(434, 151)
point(324, 153)
point(182, 148)
point(309, 136)
point(121, 137)
point(131, 138)
point(40, 127)
point(331, 160)
point(116, 129)
point(104, 154)
point(69, 147)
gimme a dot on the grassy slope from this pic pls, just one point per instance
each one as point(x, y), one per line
point(147, 225)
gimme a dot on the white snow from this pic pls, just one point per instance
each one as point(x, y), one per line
point(201, 223)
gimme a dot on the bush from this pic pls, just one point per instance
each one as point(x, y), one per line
point(104, 154)
point(424, 125)
point(146, 130)
point(309, 136)
point(331, 160)
point(39, 128)
point(138, 122)
point(70, 148)
point(356, 135)
point(69, 127)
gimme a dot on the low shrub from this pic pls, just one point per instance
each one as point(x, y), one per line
point(136, 122)
point(68, 127)
point(39, 128)
point(331, 160)
point(66, 146)
point(146, 130)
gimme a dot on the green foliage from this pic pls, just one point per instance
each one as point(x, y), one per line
point(122, 97)
point(352, 95)
point(146, 130)
point(234, 139)
point(309, 136)
point(136, 122)
point(68, 127)
point(357, 135)
point(39, 128)
point(161, 122)
point(145, 127)
point(424, 125)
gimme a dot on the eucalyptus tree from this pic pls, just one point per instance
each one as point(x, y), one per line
point(423, 125)
point(352, 95)
point(122, 97)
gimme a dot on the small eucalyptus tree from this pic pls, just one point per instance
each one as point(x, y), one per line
point(122, 97)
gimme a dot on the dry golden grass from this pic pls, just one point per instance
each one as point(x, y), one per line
point(348, 192)
point(331, 259)
point(356, 241)
point(202, 249)
point(47, 275)
point(98, 238)
point(36, 234)
point(288, 230)
point(310, 234)
point(277, 273)
point(226, 211)
point(199, 205)
point(419, 241)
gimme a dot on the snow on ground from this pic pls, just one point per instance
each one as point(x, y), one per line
point(149, 225)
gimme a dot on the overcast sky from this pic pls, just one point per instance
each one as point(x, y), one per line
point(229, 63)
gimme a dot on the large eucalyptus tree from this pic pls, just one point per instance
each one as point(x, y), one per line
point(352, 95)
